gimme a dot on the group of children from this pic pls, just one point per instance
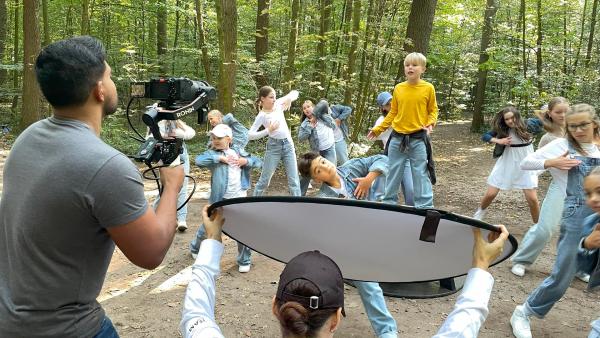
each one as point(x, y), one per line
point(568, 150)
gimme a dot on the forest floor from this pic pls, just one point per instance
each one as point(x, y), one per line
point(148, 303)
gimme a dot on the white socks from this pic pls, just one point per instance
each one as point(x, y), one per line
point(480, 213)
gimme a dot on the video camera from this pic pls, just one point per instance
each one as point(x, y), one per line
point(177, 97)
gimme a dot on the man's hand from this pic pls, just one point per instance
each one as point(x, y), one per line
point(172, 177)
point(213, 224)
point(563, 162)
point(485, 252)
point(592, 241)
point(371, 135)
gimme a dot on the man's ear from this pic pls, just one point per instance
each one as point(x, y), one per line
point(98, 91)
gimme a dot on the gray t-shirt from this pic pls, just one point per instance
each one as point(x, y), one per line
point(62, 187)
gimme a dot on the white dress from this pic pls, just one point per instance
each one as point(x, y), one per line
point(507, 173)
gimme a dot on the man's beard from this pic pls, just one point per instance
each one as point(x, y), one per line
point(109, 107)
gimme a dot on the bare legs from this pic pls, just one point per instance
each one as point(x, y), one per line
point(492, 192)
point(534, 205)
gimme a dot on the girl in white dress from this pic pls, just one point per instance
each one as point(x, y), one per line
point(513, 140)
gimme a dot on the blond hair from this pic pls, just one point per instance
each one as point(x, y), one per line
point(215, 112)
point(583, 108)
point(416, 58)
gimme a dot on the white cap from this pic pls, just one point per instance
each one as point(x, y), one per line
point(221, 130)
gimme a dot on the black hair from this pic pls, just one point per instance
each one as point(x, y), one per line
point(67, 70)
point(304, 163)
point(296, 320)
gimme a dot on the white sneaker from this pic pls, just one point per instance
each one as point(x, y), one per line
point(194, 255)
point(584, 277)
point(244, 268)
point(518, 269)
point(520, 323)
point(480, 213)
point(182, 226)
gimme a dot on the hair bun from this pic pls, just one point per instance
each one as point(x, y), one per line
point(294, 318)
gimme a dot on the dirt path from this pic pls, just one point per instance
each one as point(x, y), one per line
point(138, 309)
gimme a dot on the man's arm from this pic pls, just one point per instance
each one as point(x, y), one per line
point(198, 318)
point(471, 308)
point(145, 240)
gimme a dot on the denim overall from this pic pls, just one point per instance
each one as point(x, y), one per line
point(575, 211)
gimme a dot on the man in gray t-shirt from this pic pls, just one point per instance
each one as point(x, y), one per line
point(68, 198)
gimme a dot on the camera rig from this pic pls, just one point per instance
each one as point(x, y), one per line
point(178, 97)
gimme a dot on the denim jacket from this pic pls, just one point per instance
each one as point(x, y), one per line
point(589, 259)
point(341, 112)
point(357, 168)
point(307, 131)
point(219, 172)
point(534, 126)
point(240, 134)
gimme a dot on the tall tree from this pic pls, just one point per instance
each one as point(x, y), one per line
point(261, 46)
point(538, 49)
point(523, 41)
point(588, 55)
point(349, 74)
point(322, 44)
point(46, 23)
point(161, 35)
point(486, 35)
point(85, 17)
point(581, 33)
point(31, 48)
point(288, 71)
point(3, 34)
point(418, 30)
point(202, 40)
point(227, 33)
point(16, 40)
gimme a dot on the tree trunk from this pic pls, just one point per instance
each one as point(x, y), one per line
point(486, 36)
point(418, 30)
point(349, 74)
point(523, 44)
point(261, 46)
point(3, 35)
point(16, 40)
point(538, 49)
point(46, 23)
point(161, 35)
point(176, 37)
point(227, 33)
point(288, 71)
point(85, 17)
point(588, 55)
point(581, 34)
point(202, 40)
point(322, 44)
point(31, 48)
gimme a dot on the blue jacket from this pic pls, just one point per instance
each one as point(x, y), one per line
point(589, 259)
point(307, 131)
point(240, 134)
point(219, 172)
point(341, 112)
point(357, 168)
point(534, 126)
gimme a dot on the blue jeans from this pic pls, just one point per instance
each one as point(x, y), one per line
point(595, 332)
point(539, 234)
point(182, 196)
point(417, 155)
point(341, 152)
point(406, 185)
point(329, 154)
point(566, 265)
point(279, 149)
point(107, 330)
point(381, 320)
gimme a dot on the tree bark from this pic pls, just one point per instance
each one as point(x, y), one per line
point(349, 74)
point(85, 17)
point(161, 35)
point(325, 23)
point(581, 34)
point(523, 44)
point(227, 34)
point(3, 35)
point(486, 37)
point(46, 23)
point(261, 45)
point(288, 71)
point(16, 40)
point(418, 30)
point(31, 48)
point(538, 49)
point(176, 37)
point(202, 40)
point(588, 55)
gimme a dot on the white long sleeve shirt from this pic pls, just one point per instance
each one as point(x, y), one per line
point(554, 149)
point(471, 308)
point(265, 119)
point(198, 319)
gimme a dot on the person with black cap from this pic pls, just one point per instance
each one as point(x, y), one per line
point(310, 295)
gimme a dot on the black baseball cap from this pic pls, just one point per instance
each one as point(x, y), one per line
point(320, 270)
